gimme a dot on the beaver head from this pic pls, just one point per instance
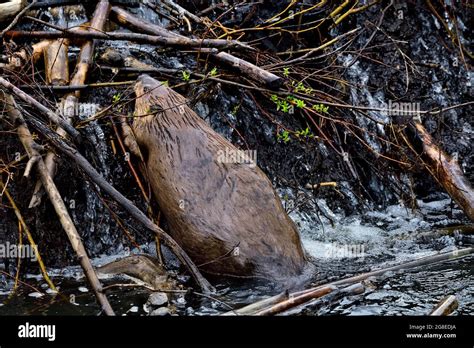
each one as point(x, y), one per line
point(154, 98)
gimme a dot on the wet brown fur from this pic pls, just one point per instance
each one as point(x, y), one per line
point(212, 207)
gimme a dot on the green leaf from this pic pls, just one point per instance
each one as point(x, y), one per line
point(185, 75)
point(300, 103)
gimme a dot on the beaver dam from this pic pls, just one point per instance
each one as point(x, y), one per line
point(236, 158)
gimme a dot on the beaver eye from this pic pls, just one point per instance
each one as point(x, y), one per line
point(156, 109)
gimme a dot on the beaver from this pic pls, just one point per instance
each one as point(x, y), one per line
point(225, 214)
point(142, 267)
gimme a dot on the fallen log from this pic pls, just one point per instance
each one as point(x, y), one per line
point(95, 176)
point(447, 172)
point(59, 206)
point(248, 69)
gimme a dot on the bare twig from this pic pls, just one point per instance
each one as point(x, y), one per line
point(51, 115)
point(58, 204)
point(18, 5)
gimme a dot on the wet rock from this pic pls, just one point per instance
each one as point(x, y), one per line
point(383, 295)
point(161, 312)
point(133, 309)
point(180, 302)
point(35, 294)
point(158, 299)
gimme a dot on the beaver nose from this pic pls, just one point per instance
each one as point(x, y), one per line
point(146, 79)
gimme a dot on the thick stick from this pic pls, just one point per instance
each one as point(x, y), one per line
point(56, 3)
point(358, 278)
point(297, 300)
point(57, 74)
point(95, 176)
point(56, 63)
point(155, 39)
point(351, 290)
point(58, 203)
point(446, 306)
point(87, 50)
point(182, 11)
point(254, 72)
point(447, 172)
point(11, 8)
point(258, 306)
point(56, 119)
point(70, 103)
point(137, 24)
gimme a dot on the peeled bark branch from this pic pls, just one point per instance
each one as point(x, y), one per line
point(446, 306)
point(10, 9)
point(58, 204)
point(251, 70)
point(447, 172)
point(57, 3)
point(57, 70)
point(156, 39)
point(56, 63)
point(297, 300)
point(352, 280)
point(33, 102)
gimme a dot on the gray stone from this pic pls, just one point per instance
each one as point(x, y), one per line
point(158, 299)
point(161, 312)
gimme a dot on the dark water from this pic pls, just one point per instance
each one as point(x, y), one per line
point(351, 246)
